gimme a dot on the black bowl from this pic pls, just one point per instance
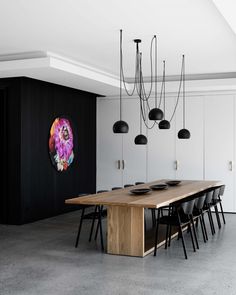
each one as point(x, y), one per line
point(173, 182)
point(158, 186)
point(140, 191)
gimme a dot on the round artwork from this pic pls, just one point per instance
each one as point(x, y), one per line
point(61, 144)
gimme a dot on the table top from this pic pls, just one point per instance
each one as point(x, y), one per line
point(153, 199)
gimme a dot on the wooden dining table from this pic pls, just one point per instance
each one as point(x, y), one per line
point(126, 234)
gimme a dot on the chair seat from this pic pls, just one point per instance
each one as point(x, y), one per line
point(173, 220)
point(95, 215)
point(215, 202)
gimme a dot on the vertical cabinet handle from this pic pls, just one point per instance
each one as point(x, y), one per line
point(231, 165)
point(123, 164)
point(176, 165)
point(118, 164)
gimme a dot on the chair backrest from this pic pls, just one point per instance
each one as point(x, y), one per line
point(115, 188)
point(199, 202)
point(216, 193)
point(128, 185)
point(139, 182)
point(209, 196)
point(102, 191)
point(83, 194)
point(222, 190)
point(188, 206)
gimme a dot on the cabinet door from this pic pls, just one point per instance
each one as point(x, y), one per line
point(189, 152)
point(109, 145)
point(161, 148)
point(134, 156)
point(219, 144)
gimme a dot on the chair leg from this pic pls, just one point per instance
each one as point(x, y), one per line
point(217, 216)
point(156, 235)
point(202, 228)
point(153, 217)
point(197, 223)
point(211, 221)
point(204, 225)
point(194, 231)
point(80, 226)
point(170, 229)
point(178, 235)
point(222, 212)
point(92, 226)
point(100, 225)
point(183, 242)
point(191, 234)
point(167, 235)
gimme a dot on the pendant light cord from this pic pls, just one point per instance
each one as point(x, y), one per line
point(155, 71)
point(120, 74)
point(179, 90)
point(184, 91)
point(164, 87)
point(139, 84)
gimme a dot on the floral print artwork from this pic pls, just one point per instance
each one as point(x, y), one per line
point(61, 144)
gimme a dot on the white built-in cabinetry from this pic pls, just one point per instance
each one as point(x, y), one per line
point(119, 160)
point(208, 154)
point(220, 144)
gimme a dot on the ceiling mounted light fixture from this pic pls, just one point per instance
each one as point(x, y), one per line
point(183, 133)
point(140, 139)
point(120, 126)
point(150, 117)
point(164, 124)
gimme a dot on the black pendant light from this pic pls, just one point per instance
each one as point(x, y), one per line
point(156, 113)
point(140, 139)
point(120, 126)
point(164, 124)
point(183, 133)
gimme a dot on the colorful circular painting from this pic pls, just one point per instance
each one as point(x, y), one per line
point(61, 144)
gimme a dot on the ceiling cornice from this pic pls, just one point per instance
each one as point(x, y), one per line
point(54, 68)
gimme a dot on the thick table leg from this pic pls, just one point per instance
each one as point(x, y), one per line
point(125, 230)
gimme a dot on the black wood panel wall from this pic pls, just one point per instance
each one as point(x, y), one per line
point(34, 189)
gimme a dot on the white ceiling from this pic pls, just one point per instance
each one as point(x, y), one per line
point(74, 35)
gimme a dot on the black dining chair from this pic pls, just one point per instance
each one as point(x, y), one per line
point(216, 199)
point(207, 209)
point(97, 214)
point(116, 188)
point(178, 215)
point(198, 215)
point(139, 182)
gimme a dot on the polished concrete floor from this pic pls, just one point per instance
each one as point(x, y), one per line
point(40, 258)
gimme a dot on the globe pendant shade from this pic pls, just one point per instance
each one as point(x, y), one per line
point(140, 139)
point(164, 124)
point(184, 134)
point(155, 114)
point(120, 127)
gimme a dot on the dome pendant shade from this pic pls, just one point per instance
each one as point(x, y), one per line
point(140, 139)
point(184, 134)
point(155, 114)
point(164, 124)
point(120, 127)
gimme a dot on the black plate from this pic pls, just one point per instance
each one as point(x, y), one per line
point(158, 186)
point(173, 182)
point(140, 191)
